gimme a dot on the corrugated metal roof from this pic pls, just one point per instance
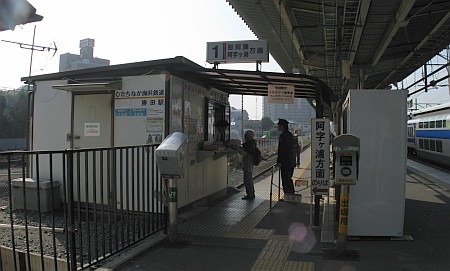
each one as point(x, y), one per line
point(382, 41)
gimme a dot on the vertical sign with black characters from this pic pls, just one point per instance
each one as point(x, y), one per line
point(320, 156)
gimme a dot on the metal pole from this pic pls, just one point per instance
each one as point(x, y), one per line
point(173, 209)
point(343, 219)
point(71, 227)
point(30, 109)
point(242, 118)
point(317, 210)
point(311, 211)
point(271, 185)
point(279, 183)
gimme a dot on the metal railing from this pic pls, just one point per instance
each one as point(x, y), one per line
point(68, 210)
point(268, 146)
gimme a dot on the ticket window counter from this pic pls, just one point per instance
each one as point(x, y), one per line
point(217, 125)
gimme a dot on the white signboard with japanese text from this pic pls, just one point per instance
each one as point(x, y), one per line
point(139, 110)
point(92, 129)
point(320, 156)
point(281, 94)
point(240, 51)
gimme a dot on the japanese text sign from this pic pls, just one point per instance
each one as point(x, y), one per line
point(320, 156)
point(281, 94)
point(237, 51)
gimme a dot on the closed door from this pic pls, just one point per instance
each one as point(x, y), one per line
point(92, 128)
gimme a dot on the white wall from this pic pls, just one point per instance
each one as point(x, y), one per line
point(377, 200)
point(51, 124)
point(52, 117)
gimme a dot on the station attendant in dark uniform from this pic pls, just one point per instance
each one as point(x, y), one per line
point(286, 156)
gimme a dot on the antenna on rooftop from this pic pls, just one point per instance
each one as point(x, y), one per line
point(33, 48)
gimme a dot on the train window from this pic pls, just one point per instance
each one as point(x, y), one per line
point(432, 145)
point(425, 124)
point(432, 124)
point(439, 124)
point(426, 144)
point(444, 123)
point(438, 145)
point(420, 143)
point(420, 124)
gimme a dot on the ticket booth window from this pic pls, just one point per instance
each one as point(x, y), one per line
point(216, 112)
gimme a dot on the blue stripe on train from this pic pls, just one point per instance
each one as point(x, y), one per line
point(445, 134)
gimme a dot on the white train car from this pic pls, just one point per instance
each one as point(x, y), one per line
point(429, 134)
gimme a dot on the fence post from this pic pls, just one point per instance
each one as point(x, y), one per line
point(71, 212)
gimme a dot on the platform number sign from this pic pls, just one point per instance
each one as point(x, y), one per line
point(241, 51)
point(320, 156)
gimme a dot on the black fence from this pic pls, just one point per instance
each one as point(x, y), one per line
point(68, 210)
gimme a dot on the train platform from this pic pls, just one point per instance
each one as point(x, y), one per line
point(238, 234)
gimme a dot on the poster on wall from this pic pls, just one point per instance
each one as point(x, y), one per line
point(176, 97)
point(144, 104)
point(92, 129)
point(281, 94)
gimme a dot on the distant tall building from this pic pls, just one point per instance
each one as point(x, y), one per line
point(85, 59)
point(300, 111)
point(236, 122)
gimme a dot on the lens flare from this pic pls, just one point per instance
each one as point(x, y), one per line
point(302, 238)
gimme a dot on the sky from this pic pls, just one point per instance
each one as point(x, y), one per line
point(126, 33)
point(136, 31)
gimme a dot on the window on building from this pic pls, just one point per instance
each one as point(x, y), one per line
point(438, 145)
point(426, 144)
point(216, 113)
point(432, 145)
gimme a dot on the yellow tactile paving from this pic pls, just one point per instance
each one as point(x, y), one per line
point(268, 265)
point(298, 266)
point(276, 249)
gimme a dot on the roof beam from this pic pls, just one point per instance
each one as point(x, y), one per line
point(304, 6)
point(364, 10)
point(418, 47)
point(287, 21)
point(402, 12)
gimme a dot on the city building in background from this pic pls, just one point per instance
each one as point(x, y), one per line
point(85, 59)
point(236, 122)
point(299, 112)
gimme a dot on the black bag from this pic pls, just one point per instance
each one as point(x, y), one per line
point(257, 157)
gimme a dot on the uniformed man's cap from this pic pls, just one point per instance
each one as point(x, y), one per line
point(283, 122)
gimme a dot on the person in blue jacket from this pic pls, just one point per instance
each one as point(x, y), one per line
point(286, 156)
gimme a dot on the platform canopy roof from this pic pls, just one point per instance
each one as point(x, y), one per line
point(340, 42)
point(229, 81)
point(16, 12)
